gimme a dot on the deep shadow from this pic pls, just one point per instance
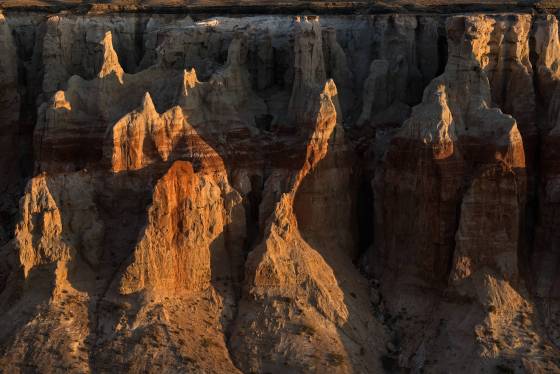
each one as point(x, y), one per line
point(124, 216)
point(341, 260)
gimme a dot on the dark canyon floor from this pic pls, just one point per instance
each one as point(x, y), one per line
point(266, 187)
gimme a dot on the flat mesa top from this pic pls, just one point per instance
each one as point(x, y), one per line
point(273, 6)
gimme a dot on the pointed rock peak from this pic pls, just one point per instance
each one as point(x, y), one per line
point(60, 102)
point(330, 91)
point(148, 103)
point(330, 88)
point(110, 63)
point(189, 94)
point(190, 80)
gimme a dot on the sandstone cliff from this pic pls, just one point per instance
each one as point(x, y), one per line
point(278, 193)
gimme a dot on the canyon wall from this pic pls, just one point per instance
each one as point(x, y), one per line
point(277, 193)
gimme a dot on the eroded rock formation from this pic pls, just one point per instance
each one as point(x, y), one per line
point(279, 194)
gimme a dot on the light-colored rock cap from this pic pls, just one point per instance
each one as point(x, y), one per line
point(110, 63)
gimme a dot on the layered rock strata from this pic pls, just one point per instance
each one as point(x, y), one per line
point(279, 194)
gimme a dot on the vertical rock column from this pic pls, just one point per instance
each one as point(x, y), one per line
point(452, 134)
point(309, 68)
point(545, 256)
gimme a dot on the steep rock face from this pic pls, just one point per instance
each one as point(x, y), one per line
point(75, 116)
point(449, 135)
point(507, 64)
point(9, 115)
point(400, 70)
point(144, 137)
point(66, 55)
point(40, 236)
point(546, 47)
point(293, 296)
point(545, 260)
point(278, 194)
point(169, 261)
point(309, 67)
point(546, 257)
point(490, 204)
point(55, 271)
point(458, 170)
point(183, 270)
point(293, 307)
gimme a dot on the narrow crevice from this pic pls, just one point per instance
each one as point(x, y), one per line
point(30, 78)
point(139, 48)
point(442, 50)
point(533, 212)
point(365, 211)
point(251, 203)
point(453, 244)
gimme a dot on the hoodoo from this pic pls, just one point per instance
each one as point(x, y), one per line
point(305, 187)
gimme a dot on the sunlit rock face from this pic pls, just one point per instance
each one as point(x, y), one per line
point(278, 193)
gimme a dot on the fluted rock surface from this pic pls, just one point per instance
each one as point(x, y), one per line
point(279, 193)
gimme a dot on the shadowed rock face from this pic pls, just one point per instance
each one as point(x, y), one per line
point(353, 194)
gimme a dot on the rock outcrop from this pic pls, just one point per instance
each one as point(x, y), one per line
point(273, 193)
